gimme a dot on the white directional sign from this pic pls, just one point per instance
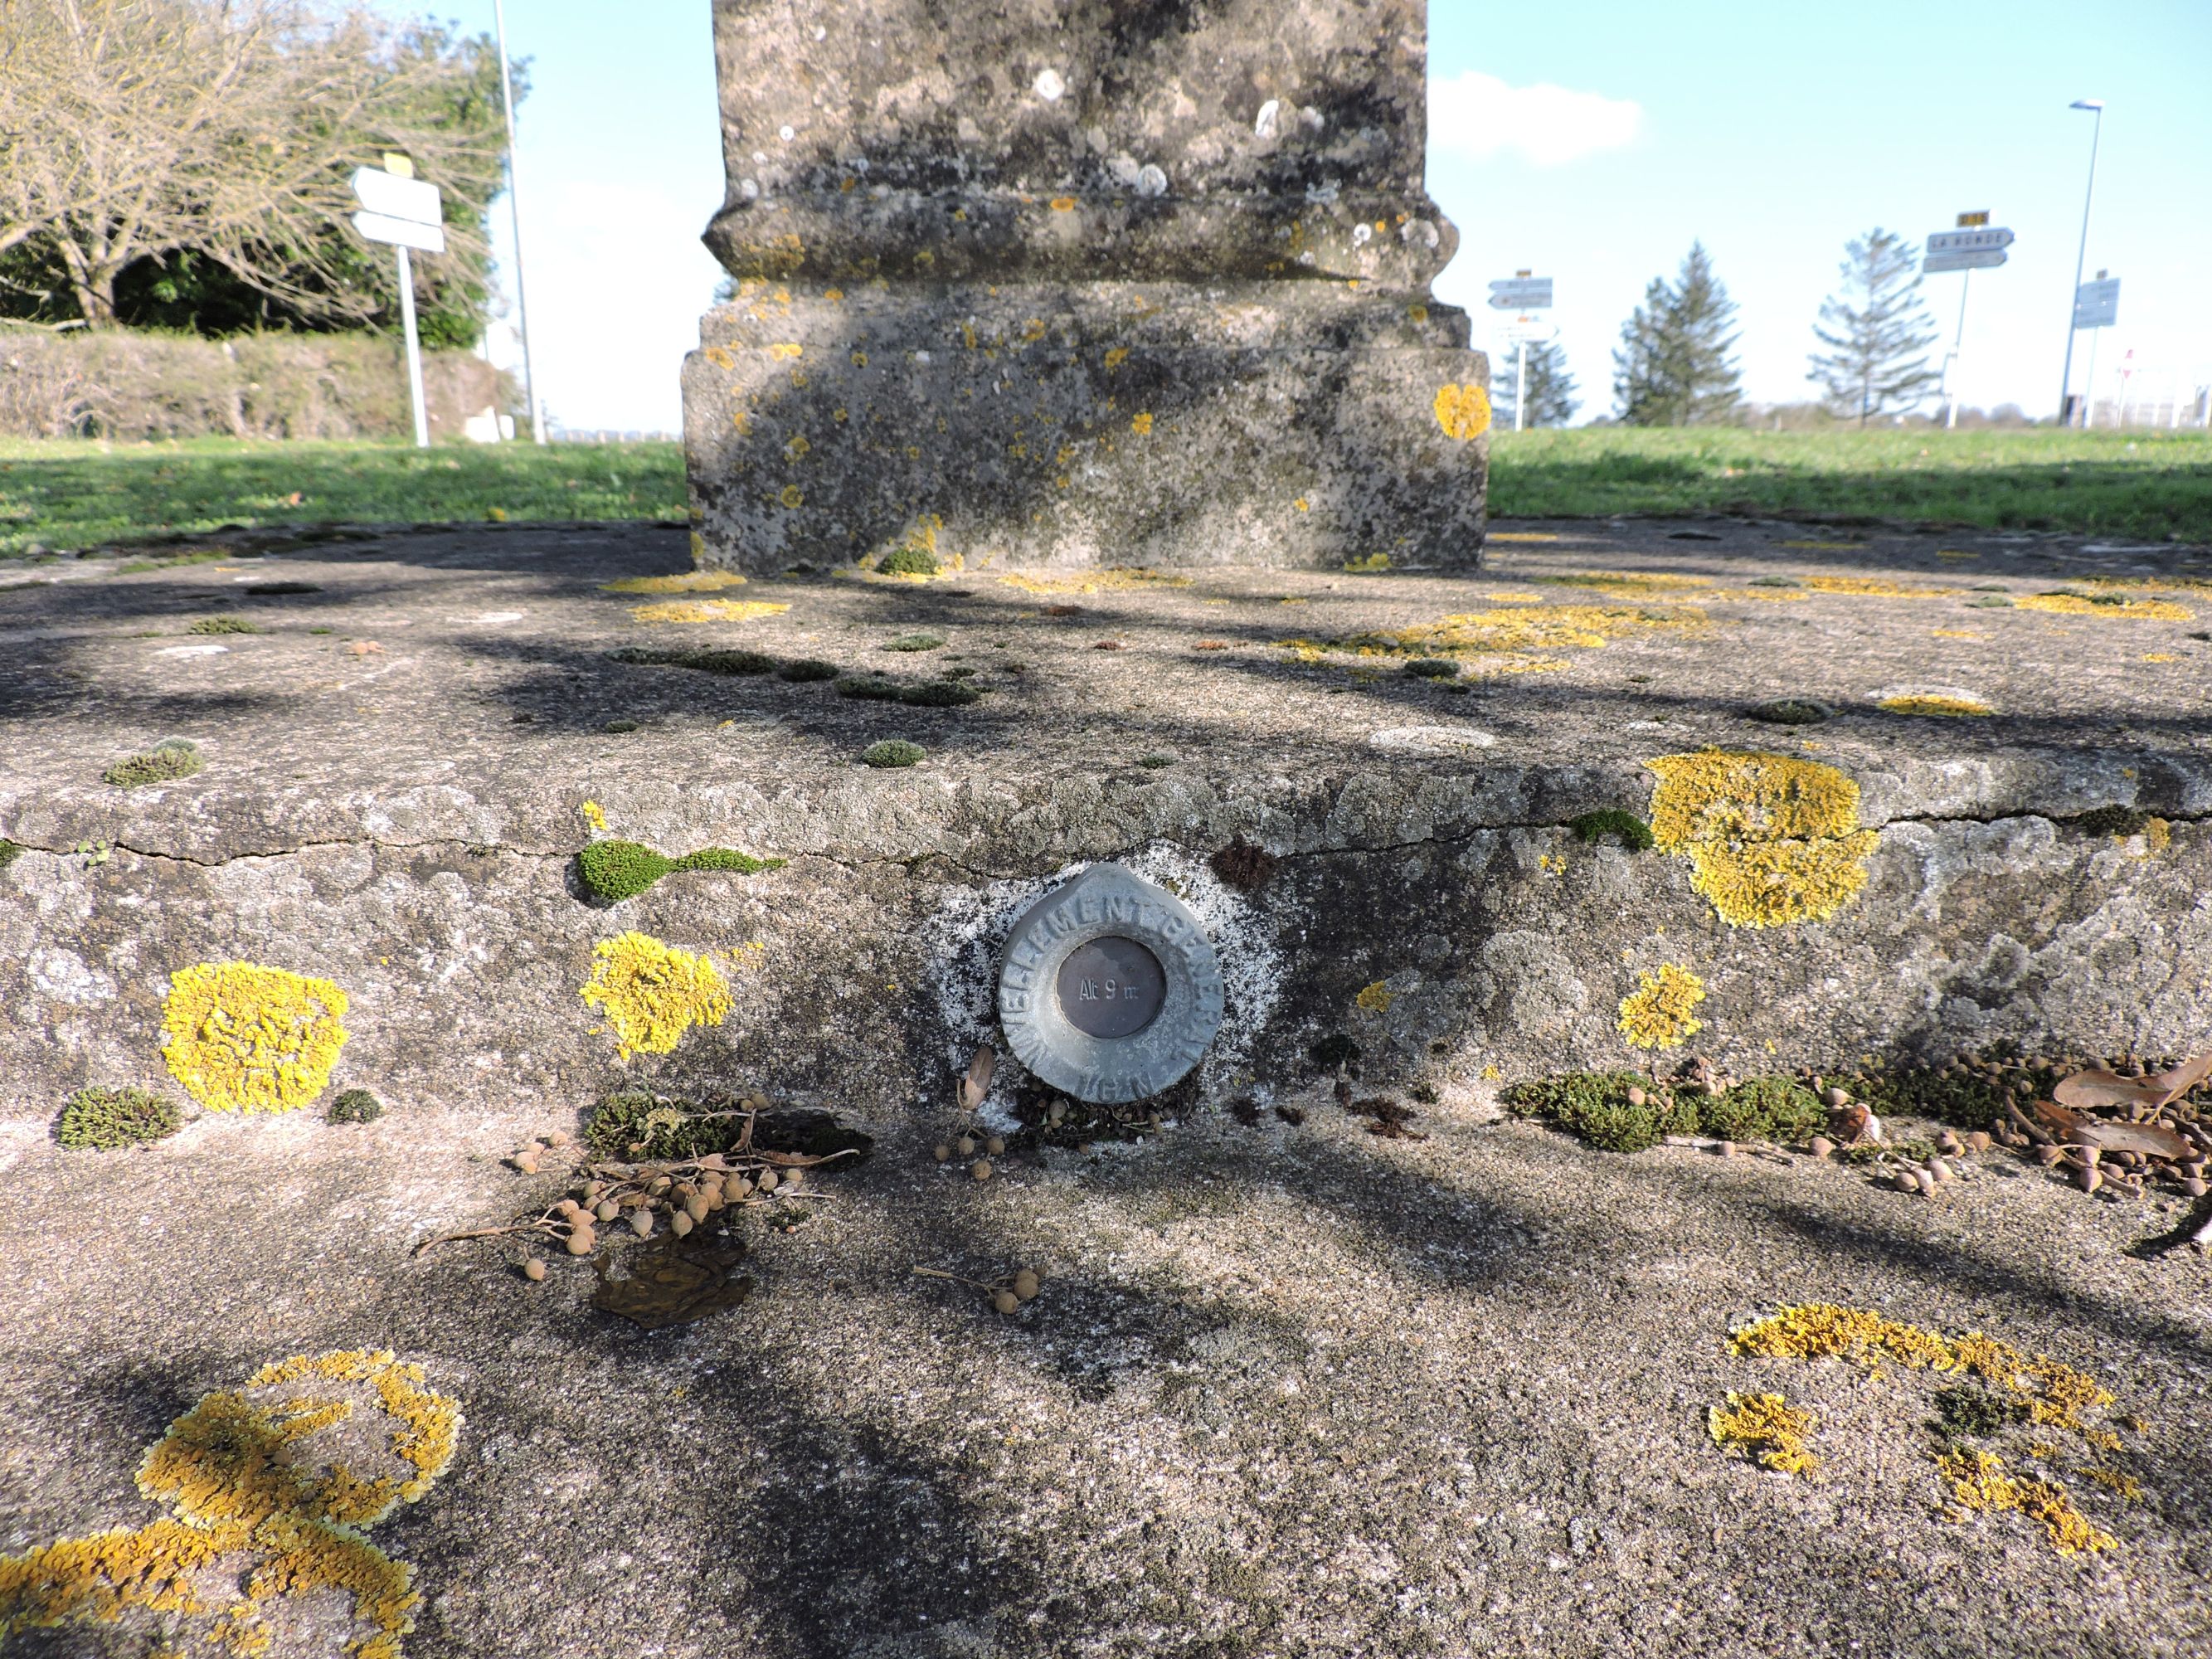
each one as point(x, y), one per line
point(1968, 241)
point(1980, 259)
point(1521, 293)
point(2096, 304)
point(405, 233)
point(389, 194)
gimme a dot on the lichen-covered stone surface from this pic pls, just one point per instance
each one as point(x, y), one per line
point(923, 351)
point(1292, 1387)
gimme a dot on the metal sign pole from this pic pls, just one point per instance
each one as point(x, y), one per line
point(1957, 345)
point(515, 210)
point(1521, 387)
point(414, 348)
point(2089, 381)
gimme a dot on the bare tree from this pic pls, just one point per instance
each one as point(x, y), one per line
point(1877, 357)
point(132, 129)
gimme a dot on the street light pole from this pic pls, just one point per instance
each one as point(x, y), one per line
point(514, 208)
point(2081, 257)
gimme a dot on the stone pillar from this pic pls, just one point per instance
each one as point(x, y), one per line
point(1081, 282)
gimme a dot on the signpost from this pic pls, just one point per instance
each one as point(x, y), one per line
point(397, 207)
point(1521, 292)
point(2096, 305)
point(1976, 245)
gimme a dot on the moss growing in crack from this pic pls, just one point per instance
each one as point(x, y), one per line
point(223, 625)
point(1624, 1112)
point(908, 561)
point(108, 1120)
point(165, 763)
point(804, 670)
point(2119, 821)
point(613, 870)
point(1631, 831)
point(933, 694)
point(355, 1106)
point(1433, 668)
point(704, 661)
point(1764, 1108)
point(1967, 1094)
point(10, 852)
point(893, 752)
point(1791, 711)
point(916, 643)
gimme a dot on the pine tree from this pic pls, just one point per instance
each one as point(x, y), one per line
point(1674, 367)
point(1552, 400)
point(1877, 361)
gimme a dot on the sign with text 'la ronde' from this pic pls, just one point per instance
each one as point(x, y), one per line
point(1976, 247)
point(398, 209)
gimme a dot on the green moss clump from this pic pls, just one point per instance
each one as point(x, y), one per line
point(868, 688)
point(934, 694)
point(1764, 1108)
point(908, 561)
point(1791, 711)
point(354, 1106)
point(1776, 581)
point(617, 727)
point(10, 852)
point(2086, 599)
point(1967, 1411)
point(613, 870)
point(802, 670)
point(1155, 762)
point(1433, 668)
point(1596, 1106)
point(1991, 602)
point(2112, 821)
point(223, 625)
point(916, 643)
point(893, 752)
point(165, 763)
point(1626, 828)
point(704, 661)
point(108, 1120)
point(632, 1125)
point(1964, 1098)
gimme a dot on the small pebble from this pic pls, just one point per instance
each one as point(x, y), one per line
point(1005, 1302)
point(1026, 1285)
point(980, 1168)
point(1725, 1148)
point(994, 1146)
point(533, 1270)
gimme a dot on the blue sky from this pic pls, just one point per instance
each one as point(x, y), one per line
point(1588, 143)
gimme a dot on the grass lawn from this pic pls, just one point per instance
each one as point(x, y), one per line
point(65, 496)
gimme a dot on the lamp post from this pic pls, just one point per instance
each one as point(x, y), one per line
point(2081, 257)
point(514, 208)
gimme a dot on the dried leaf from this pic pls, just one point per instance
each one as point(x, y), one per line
point(977, 1083)
point(2054, 1117)
point(673, 1283)
point(2097, 1087)
point(2149, 1138)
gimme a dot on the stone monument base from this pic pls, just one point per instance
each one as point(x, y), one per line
point(1311, 425)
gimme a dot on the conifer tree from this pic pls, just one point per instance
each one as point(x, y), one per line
point(1552, 400)
point(1876, 330)
point(1673, 366)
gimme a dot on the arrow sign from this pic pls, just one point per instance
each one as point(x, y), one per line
point(407, 232)
point(1979, 260)
point(2096, 304)
point(1521, 293)
point(1968, 241)
point(395, 197)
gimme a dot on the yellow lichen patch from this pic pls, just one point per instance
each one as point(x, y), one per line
point(1979, 1482)
point(1463, 411)
point(1521, 536)
point(242, 1038)
point(1658, 1013)
point(1771, 839)
point(677, 610)
point(1140, 424)
point(1761, 595)
point(1956, 633)
point(1369, 564)
point(1874, 587)
point(1770, 1428)
point(784, 351)
point(1529, 628)
point(2073, 604)
point(1631, 584)
point(1092, 581)
point(2160, 656)
point(1063, 204)
point(653, 993)
point(688, 581)
point(426, 1425)
point(1115, 356)
point(791, 497)
point(720, 357)
point(1931, 703)
point(1504, 597)
point(595, 816)
point(1374, 998)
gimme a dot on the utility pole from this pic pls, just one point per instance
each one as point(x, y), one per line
point(514, 208)
point(2081, 259)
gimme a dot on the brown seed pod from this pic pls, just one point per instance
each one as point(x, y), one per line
point(2194, 1187)
point(640, 1222)
point(533, 1269)
point(965, 1145)
point(770, 1180)
point(2049, 1155)
point(980, 1168)
point(558, 1138)
point(1903, 1182)
point(1005, 1302)
point(680, 1223)
point(1925, 1180)
point(1978, 1142)
point(940, 1151)
point(1056, 1114)
point(1637, 1097)
point(1026, 1285)
point(593, 1189)
point(2091, 1178)
point(607, 1209)
point(994, 1146)
point(1822, 1146)
point(581, 1240)
point(660, 1185)
point(1940, 1170)
point(738, 1188)
point(697, 1209)
point(1725, 1148)
point(526, 1162)
point(1834, 1098)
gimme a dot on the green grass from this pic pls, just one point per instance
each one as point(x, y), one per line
point(66, 495)
point(2112, 483)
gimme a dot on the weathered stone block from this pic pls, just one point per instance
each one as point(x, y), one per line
point(1084, 284)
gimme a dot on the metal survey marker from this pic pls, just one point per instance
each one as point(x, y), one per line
point(1108, 989)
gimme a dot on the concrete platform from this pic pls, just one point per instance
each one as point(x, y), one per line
point(1292, 1387)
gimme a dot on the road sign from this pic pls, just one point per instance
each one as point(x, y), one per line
point(1982, 259)
point(393, 197)
point(404, 232)
point(1968, 241)
point(2096, 304)
point(1521, 293)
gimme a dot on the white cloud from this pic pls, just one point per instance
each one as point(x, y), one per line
point(1477, 116)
